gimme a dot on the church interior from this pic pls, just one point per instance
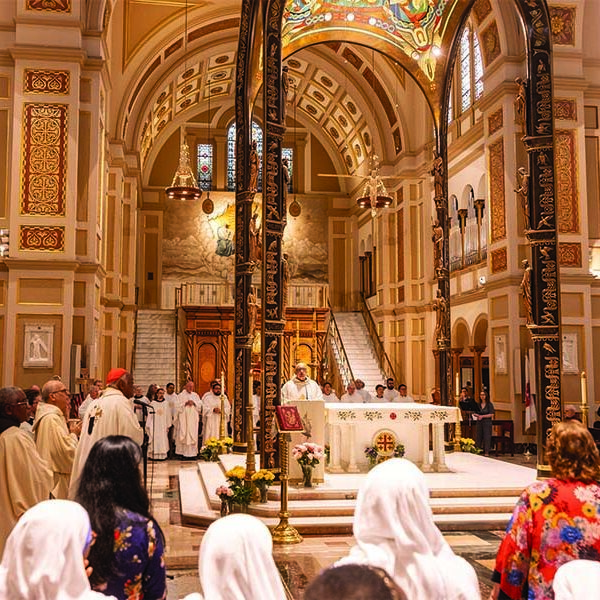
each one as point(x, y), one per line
point(101, 99)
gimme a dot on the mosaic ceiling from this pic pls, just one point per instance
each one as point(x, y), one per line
point(414, 27)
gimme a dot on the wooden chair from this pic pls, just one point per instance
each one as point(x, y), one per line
point(503, 435)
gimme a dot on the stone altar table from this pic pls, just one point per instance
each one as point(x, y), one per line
point(352, 427)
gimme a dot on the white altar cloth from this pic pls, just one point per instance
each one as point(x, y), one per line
point(352, 427)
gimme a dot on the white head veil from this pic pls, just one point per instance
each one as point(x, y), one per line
point(236, 561)
point(394, 530)
point(43, 556)
point(577, 579)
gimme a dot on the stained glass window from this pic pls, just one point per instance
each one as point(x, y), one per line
point(205, 166)
point(477, 67)
point(289, 154)
point(465, 70)
point(257, 136)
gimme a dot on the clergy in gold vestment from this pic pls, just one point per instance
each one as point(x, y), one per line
point(111, 414)
point(211, 412)
point(25, 477)
point(54, 442)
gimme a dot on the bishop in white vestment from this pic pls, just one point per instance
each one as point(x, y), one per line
point(211, 412)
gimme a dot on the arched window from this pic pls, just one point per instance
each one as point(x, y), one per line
point(470, 75)
point(257, 136)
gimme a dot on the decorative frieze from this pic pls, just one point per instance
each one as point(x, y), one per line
point(567, 199)
point(44, 149)
point(58, 6)
point(46, 81)
point(497, 194)
point(569, 254)
point(42, 238)
point(499, 260)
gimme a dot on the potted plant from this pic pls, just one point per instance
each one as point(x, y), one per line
point(225, 493)
point(262, 480)
point(308, 455)
point(372, 455)
point(241, 495)
point(399, 450)
point(468, 445)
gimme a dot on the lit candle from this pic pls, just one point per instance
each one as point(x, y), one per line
point(584, 400)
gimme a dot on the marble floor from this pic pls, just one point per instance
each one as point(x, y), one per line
point(299, 563)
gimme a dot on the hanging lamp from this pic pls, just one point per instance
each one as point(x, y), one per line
point(208, 205)
point(184, 185)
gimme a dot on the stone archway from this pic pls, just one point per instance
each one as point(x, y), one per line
point(536, 96)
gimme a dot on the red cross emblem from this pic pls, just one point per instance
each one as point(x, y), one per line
point(385, 442)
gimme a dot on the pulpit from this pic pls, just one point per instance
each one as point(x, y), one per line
point(354, 427)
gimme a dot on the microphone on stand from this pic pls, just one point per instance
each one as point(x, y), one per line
point(143, 404)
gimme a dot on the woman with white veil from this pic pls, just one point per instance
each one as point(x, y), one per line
point(236, 561)
point(394, 530)
point(44, 555)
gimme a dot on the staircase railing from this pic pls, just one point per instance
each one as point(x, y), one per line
point(384, 361)
point(333, 341)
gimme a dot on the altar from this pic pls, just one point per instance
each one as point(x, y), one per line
point(354, 427)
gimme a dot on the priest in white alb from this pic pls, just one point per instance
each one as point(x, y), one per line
point(157, 427)
point(300, 387)
point(211, 412)
point(188, 419)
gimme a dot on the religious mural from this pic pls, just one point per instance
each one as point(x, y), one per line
point(414, 26)
point(199, 247)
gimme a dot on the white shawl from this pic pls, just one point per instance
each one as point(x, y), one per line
point(394, 530)
point(236, 561)
point(577, 579)
point(43, 558)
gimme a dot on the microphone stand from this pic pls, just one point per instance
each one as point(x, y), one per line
point(145, 443)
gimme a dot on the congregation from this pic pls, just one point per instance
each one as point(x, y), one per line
point(78, 521)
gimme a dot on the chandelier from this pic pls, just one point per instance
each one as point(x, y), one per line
point(374, 194)
point(184, 185)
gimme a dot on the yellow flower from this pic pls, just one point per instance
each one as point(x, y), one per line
point(535, 502)
point(549, 511)
point(589, 510)
point(237, 472)
point(263, 475)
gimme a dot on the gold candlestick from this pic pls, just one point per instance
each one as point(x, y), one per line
point(584, 399)
point(284, 533)
point(222, 429)
point(457, 428)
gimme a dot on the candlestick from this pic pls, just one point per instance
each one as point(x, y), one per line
point(457, 427)
point(297, 335)
point(584, 399)
point(457, 383)
point(222, 430)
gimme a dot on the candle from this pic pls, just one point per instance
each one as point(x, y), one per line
point(457, 383)
point(222, 382)
point(584, 400)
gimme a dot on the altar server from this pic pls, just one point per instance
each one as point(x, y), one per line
point(394, 530)
point(352, 394)
point(300, 387)
point(329, 394)
point(211, 412)
point(157, 427)
point(188, 418)
point(390, 393)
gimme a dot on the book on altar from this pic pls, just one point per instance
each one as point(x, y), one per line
point(288, 418)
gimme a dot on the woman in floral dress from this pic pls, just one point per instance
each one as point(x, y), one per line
point(127, 557)
point(555, 521)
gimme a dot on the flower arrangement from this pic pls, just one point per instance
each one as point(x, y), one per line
point(308, 454)
point(262, 480)
point(399, 451)
point(372, 454)
point(213, 447)
point(224, 492)
point(468, 445)
point(241, 494)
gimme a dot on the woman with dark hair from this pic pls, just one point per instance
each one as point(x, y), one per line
point(555, 521)
point(483, 416)
point(127, 557)
point(152, 392)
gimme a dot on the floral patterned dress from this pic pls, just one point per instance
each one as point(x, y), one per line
point(139, 553)
point(554, 522)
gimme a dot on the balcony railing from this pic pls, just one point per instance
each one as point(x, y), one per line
point(219, 293)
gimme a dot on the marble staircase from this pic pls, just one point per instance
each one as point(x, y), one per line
point(479, 494)
point(154, 358)
point(359, 350)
